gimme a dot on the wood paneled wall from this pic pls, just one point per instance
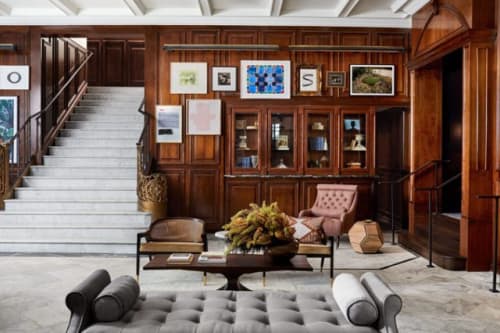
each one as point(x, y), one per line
point(116, 62)
point(196, 167)
point(438, 29)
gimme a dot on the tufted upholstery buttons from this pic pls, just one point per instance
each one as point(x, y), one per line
point(232, 312)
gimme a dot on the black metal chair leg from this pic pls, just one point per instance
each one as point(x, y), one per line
point(322, 263)
point(332, 272)
point(338, 242)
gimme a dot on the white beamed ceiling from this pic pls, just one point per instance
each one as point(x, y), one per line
point(335, 13)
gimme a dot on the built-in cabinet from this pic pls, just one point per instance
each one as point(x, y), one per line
point(281, 154)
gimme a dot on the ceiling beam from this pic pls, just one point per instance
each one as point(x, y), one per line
point(136, 7)
point(66, 6)
point(4, 9)
point(345, 8)
point(398, 4)
point(276, 8)
point(205, 7)
point(413, 6)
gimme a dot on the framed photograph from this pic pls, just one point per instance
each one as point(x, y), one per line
point(335, 79)
point(224, 78)
point(14, 77)
point(372, 80)
point(309, 80)
point(8, 124)
point(169, 124)
point(204, 117)
point(188, 77)
point(265, 79)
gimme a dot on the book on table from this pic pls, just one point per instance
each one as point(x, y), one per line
point(180, 258)
point(212, 258)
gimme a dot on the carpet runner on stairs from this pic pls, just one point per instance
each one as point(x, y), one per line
point(83, 199)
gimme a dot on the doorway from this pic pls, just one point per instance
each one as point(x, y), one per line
point(451, 140)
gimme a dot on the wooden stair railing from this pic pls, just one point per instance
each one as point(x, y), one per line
point(24, 142)
point(433, 163)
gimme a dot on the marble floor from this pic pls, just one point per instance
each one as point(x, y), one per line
point(32, 291)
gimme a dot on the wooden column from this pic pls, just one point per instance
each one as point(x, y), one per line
point(478, 148)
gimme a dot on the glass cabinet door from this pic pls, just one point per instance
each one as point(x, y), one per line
point(319, 145)
point(354, 141)
point(246, 142)
point(282, 134)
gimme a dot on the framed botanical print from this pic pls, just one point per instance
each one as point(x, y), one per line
point(266, 79)
point(188, 78)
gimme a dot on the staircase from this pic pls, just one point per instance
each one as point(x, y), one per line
point(83, 199)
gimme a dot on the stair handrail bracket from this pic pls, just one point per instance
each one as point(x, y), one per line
point(399, 181)
point(151, 187)
point(14, 169)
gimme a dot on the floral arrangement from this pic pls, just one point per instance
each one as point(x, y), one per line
point(258, 227)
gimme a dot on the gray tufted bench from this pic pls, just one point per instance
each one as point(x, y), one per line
point(232, 311)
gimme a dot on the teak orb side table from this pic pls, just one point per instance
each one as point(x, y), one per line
point(366, 237)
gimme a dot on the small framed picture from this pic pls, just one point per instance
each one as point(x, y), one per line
point(224, 78)
point(204, 117)
point(8, 124)
point(372, 80)
point(309, 80)
point(335, 79)
point(188, 78)
point(169, 124)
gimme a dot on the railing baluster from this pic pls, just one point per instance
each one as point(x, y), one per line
point(429, 228)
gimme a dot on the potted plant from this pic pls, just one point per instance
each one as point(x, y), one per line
point(263, 226)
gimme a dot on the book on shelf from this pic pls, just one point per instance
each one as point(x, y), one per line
point(212, 258)
point(180, 258)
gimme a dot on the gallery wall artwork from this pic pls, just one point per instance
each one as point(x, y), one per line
point(169, 124)
point(265, 79)
point(309, 80)
point(224, 78)
point(188, 78)
point(372, 80)
point(8, 123)
point(14, 77)
point(204, 116)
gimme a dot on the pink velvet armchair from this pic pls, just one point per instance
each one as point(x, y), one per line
point(337, 204)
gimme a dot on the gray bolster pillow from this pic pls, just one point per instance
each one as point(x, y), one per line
point(116, 299)
point(354, 301)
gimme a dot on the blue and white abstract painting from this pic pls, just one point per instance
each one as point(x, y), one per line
point(265, 79)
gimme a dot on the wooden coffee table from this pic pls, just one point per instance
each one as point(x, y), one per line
point(235, 266)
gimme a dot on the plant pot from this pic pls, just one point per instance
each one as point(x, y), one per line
point(282, 252)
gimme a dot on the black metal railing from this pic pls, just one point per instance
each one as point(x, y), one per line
point(24, 148)
point(430, 191)
point(433, 163)
point(144, 157)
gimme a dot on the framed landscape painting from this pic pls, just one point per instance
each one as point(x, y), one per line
point(8, 123)
point(266, 79)
point(372, 80)
point(188, 77)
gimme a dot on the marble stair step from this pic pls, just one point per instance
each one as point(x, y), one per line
point(129, 110)
point(130, 152)
point(94, 194)
point(119, 97)
point(91, 142)
point(111, 89)
point(74, 218)
point(31, 247)
point(115, 133)
point(70, 205)
point(89, 161)
point(102, 117)
point(84, 172)
point(48, 182)
point(110, 103)
point(105, 125)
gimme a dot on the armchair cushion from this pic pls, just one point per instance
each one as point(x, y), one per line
point(333, 203)
point(308, 229)
point(116, 299)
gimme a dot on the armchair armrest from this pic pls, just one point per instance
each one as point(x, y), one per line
point(79, 300)
point(306, 213)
